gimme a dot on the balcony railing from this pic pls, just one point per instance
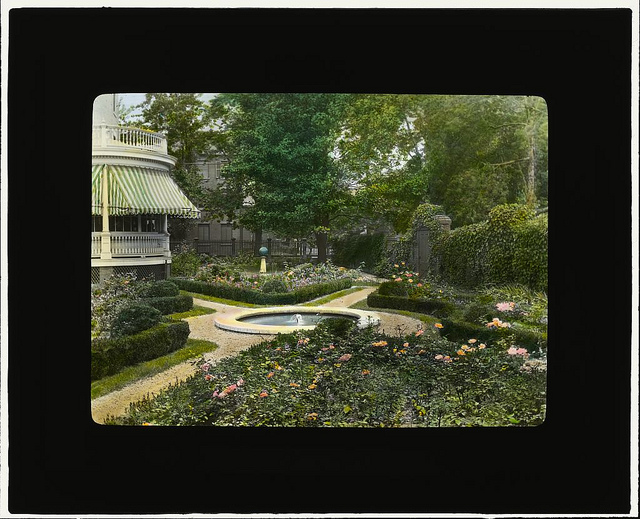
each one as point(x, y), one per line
point(132, 244)
point(105, 136)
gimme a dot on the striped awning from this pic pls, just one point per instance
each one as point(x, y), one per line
point(135, 190)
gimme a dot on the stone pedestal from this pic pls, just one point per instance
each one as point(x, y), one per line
point(263, 265)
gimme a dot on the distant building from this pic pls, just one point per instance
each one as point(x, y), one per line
point(133, 194)
point(225, 237)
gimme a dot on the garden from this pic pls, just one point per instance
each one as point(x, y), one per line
point(476, 358)
point(476, 374)
point(436, 204)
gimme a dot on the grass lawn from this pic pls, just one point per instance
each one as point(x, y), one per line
point(428, 319)
point(333, 296)
point(194, 312)
point(192, 350)
point(212, 299)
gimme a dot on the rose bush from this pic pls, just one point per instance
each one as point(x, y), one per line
point(358, 378)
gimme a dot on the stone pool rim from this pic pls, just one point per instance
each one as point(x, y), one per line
point(233, 323)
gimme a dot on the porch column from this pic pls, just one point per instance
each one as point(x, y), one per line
point(165, 231)
point(105, 249)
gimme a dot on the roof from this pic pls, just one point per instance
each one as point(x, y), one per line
point(137, 190)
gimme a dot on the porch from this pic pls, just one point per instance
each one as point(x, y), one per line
point(129, 245)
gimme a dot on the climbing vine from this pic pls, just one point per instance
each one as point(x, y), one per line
point(510, 247)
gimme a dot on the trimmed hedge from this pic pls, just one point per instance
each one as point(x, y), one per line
point(108, 356)
point(134, 318)
point(245, 295)
point(455, 330)
point(162, 288)
point(423, 306)
point(170, 305)
point(510, 247)
point(392, 288)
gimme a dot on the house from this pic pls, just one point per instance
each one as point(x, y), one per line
point(225, 237)
point(133, 194)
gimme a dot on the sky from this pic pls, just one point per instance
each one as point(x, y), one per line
point(132, 99)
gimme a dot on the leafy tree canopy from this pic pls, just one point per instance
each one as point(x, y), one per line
point(185, 122)
point(281, 147)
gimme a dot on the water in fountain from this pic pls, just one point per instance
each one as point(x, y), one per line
point(289, 319)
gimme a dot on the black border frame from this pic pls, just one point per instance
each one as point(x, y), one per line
point(579, 60)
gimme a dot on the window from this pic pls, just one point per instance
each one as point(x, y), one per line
point(151, 223)
point(96, 224)
point(225, 231)
point(204, 232)
point(122, 223)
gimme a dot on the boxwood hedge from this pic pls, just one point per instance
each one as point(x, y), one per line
point(455, 329)
point(433, 307)
point(170, 305)
point(245, 295)
point(510, 247)
point(462, 331)
point(108, 356)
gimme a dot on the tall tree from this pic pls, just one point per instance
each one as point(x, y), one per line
point(185, 122)
point(281, 147)
point(466, 153)
point(479, 151)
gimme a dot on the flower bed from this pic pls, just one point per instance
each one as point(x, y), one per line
point(294, 285)
point(248, 295)
point(339, 376)
point(487, 314)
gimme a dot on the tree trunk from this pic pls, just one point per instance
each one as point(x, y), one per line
point(322, 241)
point(531, 174)
point(257, 242)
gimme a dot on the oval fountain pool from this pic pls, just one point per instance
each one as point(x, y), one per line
point(292, 319)
point(276, 320)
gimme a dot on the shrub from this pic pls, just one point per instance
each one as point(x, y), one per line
point(393, 288)
point(109, 297)
point(108, 356)
point(456, 331)
point(478, 312)
point(511, 246)
point(433, 307)
point(351, 251)
point(272, 285)
point(164, 288)
point(337, 327)
point(134, 318)
point(361, 379)
point(246, 295)
point(171, 305)
point(530, 255)
point(185, 262)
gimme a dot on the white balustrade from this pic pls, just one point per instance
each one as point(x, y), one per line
point(96, 245)
point(107, 135)
point(125, 244)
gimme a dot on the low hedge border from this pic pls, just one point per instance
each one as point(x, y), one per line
point(246, 295)
point(422, 306)
point(455, 330)
point(171, 304)
point(108, 356)
point(462, 331)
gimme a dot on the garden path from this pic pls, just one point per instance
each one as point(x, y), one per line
point(229, 344)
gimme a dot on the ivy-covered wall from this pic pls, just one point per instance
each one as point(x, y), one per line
point(510, 247)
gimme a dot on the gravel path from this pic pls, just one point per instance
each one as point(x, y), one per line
point(229, 344)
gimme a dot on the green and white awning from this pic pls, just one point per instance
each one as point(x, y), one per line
point(135, 190)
